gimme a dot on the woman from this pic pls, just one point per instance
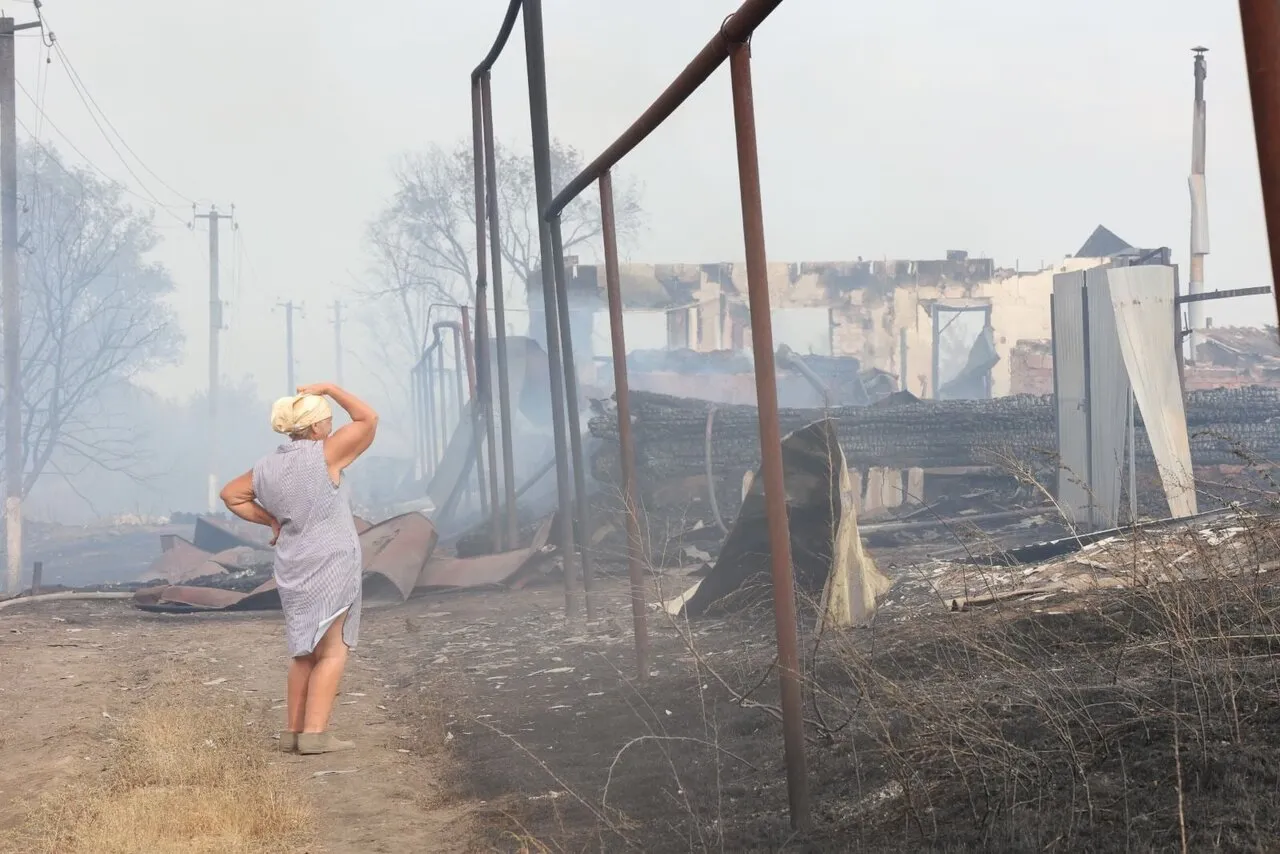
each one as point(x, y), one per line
point(299, 493)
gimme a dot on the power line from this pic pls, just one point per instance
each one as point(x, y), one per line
point(91, 104)
point(152, 200)
point(155, 199)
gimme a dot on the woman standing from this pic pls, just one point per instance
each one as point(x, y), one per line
point(299, 493)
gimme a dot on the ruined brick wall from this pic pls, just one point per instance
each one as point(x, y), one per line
point(879, 311)
point(1031, 368)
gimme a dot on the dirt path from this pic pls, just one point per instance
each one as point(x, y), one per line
point(70, 672)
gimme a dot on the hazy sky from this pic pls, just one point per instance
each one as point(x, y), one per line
point(898, 129)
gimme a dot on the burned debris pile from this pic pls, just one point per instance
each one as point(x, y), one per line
point(1227, 426)
point(400, 559)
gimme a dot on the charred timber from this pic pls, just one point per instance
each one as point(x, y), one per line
point(1227, 427)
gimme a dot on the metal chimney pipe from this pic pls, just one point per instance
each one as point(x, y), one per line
point(1199, 206)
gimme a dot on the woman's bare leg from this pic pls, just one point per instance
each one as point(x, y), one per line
point(296, 691)
point(322, 687)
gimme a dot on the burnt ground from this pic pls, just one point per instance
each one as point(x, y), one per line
point(1111, 722)
point(1122, 720)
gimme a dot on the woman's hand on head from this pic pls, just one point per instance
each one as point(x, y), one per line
point(318, 389)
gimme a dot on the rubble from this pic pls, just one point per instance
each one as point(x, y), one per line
point(399, 557)
point(1226, 424)
point(829, 563)
point(1222, 546)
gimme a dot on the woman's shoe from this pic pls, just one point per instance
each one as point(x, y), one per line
point(288, 742)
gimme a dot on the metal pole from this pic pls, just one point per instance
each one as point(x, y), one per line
point(428, 405)
point(459, 372)
point(736, 28)
point(1260, 22)
point(500, 322)
point(468, 345)
point(1088, 399)
point(1199, 214)
point(482, 403)
point(37, 578)
point(419, 443)
point(13, 445)
point(215, 328)
point(1133, 463)
point(535, 60)
point(626, 443)
point(459, 375)
point(581, 504)
point(784, 602)
point(442, 395)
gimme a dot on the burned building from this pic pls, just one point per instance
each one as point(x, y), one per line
point(943, 328)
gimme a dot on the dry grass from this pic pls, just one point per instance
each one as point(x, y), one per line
point(190, 776)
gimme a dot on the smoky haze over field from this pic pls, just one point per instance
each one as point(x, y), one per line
point(892, 130)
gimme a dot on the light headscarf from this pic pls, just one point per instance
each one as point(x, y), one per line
point(292, 415)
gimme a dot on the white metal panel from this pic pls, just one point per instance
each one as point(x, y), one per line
point(1068, 367)
point(1143, 300)
point(1108, 402)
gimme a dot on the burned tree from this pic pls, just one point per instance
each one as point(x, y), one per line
point(422, 243)
point(93, 316)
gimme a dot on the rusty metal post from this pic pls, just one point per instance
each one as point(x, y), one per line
point(468, 349)
point(535, 60)
point(461, 374)
point(428, 397)
point(784, 601)
point(476, 408)
point(499, 322)
point(419, 443)
point(1260, 21)
point(442, 394)
point(482, 404)
point(626, 443)
point(581, 504)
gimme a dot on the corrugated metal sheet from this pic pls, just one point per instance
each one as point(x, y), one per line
point(444, 572)
point(395, 552)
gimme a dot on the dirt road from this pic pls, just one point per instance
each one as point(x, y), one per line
point(69, 673)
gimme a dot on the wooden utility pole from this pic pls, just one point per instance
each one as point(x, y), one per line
point(215, 327)
point(12, 314)
point(337, 342)
point(289, 309)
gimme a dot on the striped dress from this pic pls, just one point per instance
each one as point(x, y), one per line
point(317, 561)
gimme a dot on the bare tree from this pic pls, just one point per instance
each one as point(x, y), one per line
point(422, 244)
point(93, 316)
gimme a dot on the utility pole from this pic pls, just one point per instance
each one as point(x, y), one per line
point(289, 309)
point(12, 314)
point(337, 342)
point(215, 327)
